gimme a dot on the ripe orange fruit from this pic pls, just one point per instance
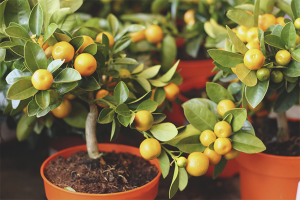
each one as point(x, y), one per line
point(231, 154)
point(241, 32)
point(85, 64)
point(172, 91)
point(280, 20)
point(181, 161)
point(265, 21)
point(197, 164)
point(297, 39)
point(283, 57)
point(254, 59)
point(222, 145)
point(63, 110)
point(42, 79)
point(207, 137)
point(64, 51)
point(297, 23)
point(150, 148)
point(87, 41)
point(252, 34)
point(48, 52)
point(222, 129)
point(253, 45)
point(101, 94)
point(213, 157)
point(224, 106)
point(69, 96)
point(110, 38)
point(154, 34)
point(40, 41)
point(257, 108)
point(143, 120)
point(138, 36)
point(189, 17)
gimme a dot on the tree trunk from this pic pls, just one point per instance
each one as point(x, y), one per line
point(283, 127)
point(90, 130)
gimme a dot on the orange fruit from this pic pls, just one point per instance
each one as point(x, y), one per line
point(63, 110)
point(283, 57)
point(257, 108)
point(222, 129)
point(69, 96)
point(231, 154)
point(197, 164)
point(181, 161)
point(48, 52)
point(110, 38)
point(297, 39)
point(241, 32)
point(87, 41)
point(213, 157)
point(64, 51)
point(252, 34)
point(189, 17)
point(207, 137)
point(143, 120)
point(280, 20)
point(253, 45)
point(224, 105)
point(297, 23)
point(101, 94)
point(150, 148)
point(40, 41)
point(172, 91)
point(138, 36)
point(154, 34)
point(42, 79)
point(85, 64)
point(265, 21)
point(254, 59)
point(222, 145)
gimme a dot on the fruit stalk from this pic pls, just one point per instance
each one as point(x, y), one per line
point(90, 130)
point(283, 128)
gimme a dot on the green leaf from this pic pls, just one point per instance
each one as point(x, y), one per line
point(121, 92)
point(285, 101)
point(175, 183)
point(69, 189)
point(168, 52)
point(121, 44)
point(169, 74)
point(212, 106)
point(123, 109)
point(138, 69)
point(239, 118)
point(91, 49)
point(234, 88)
point(18, 49)
point(2, 9)
point(74, 5)
point(49, 32)
point(126, 61)
point(238, 44)
point(148, 105)
point(36, 20)
point(261, 38)
point(20, 106)
point(49, 7)
point(256, 12)
point(164, 131)
point(106, 116)
point(16, 75)
point(288, 35)
point(255, 94)
point(190, 144)
point(285, 7)
point(23, 130)
point(64, 18)
point(293, 69)
point(115, 130)
point(183, 178)
point(225, 58)
point(295, 6)
point(35, 57)
point(33, 108)
point(17, 32)
point(247, 128)
point(77, 42)
point(42, 98)
point(125, 121)
point(144, 83)
point(17, 11)
point(193, 45)
point(7, 44)
point(274, 41)
point(157, 6)
point(62, 37)
point(241, 17)
point(78, 115)
point(67, 75)
point(247, 143)
point(296, 55)
point(149, 72)
point(199, 116)
point(88, 83)
point(217, 92)
point(158, 117)
point(22, 89)
point(164, 163)
point(159, 95)
point(228, 118)
point(247, 76)
point(218, 169)
point(66, 87)
point(113, 23)
point(54, 65)
point(157, 83)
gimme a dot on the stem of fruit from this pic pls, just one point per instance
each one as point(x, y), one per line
point(283, 128)
point(90, 130)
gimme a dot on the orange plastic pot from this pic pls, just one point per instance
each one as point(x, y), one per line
point(148, 191)
point(264, 176)
point(231, 169)
point(196, 68)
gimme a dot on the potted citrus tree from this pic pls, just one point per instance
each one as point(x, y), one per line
point(266, 65)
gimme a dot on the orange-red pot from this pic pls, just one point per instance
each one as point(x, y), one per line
point(231, 169)
point(264, 176)
point(148, 191)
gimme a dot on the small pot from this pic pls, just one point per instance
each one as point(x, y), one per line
point(264, 176)
point(147, 191)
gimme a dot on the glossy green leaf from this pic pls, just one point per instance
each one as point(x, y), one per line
point(77, 42)
point(164, 131)
point(88, 83)
point(123, 109)
point(256, 93)
point(113, 23)
point(126, 61)
point(64, 18)
point(247, 143)
point(23, 130)
point(17, 32)
point(122, 44)
point(168, 52)
point(66, 87)
point(164, 163)
point(159, 95)
point(138, 69)
point(157, 83)
point(218, 169)
point(285, 101)
point(74, 5)
point(42, 98)
point(149, 72)
point(293, 69)
point(35, 57)
point(285, 7)
point(91, 49)
point(190, 144)
point(275, 41)
point(225, 58)
point(11, 56)
point(247, 76)
point(48, 7)
point(16, 75)
point(18, 49)
point(67, 75)
point(49, 32)
point(296, 55)
point(115, 130)
point(125, 121)
point(256, 12)
point(247, 128)
point(121, 92)
point(228, 118)
point(22, 89)
point(239, 118)
point(2, 8)
point(33, 108)
point(54, 65)
point(144, 83)
point(7, 44)
point(183, 178)
point(239, 45)
point(36, 20)
point(185, 132)
point(157, 6)
point(175, 183)
point(261, 38)
point(158, 117)
point(193, 45)
point(106, 116)
point(199, 116)
point(169, 74)
point(295, 6)
point(20, 106)
point(78, 115)
point(62, 37)
point(212, 106)
point(17, 11)
point(288, 35)
point(148, 105)
point(15, 103)
point(290, 85)
point(135, 103)
point(234, 88)
point(217, 92)
point(241, 17)
point(43, 112)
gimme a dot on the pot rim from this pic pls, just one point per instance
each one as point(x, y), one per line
point(277, 156)
point(84, 194)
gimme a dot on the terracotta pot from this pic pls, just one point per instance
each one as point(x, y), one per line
point(196, 68)
point(148, 191)
point(264, 176)
point(231, 169)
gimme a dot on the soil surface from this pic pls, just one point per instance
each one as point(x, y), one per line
point(266, 129)
point(119, 172)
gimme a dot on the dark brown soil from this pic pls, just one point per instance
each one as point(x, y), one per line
point(120, 172)
point(266, 129)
